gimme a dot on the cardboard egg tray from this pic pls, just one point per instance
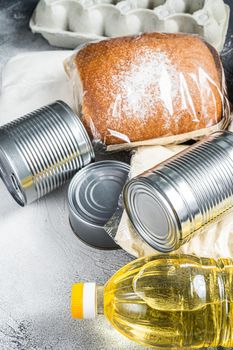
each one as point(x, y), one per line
point(69, 23)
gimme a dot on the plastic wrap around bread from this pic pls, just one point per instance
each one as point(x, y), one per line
point(149, 89)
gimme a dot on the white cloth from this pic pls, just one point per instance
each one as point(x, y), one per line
point(32, 80)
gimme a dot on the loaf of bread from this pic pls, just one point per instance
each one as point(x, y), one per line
point(143, 87)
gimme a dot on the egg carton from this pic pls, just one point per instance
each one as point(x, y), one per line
point(69, 23)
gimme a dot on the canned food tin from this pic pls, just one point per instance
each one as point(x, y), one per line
point(168, 204)
point(42, 150)
point(93, 198)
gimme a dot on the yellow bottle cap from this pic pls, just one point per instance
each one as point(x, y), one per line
point(83, 300)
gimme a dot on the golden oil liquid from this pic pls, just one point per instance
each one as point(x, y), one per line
point(173, 301)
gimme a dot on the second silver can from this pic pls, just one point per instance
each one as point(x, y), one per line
point(171, 202)
point(42, 150)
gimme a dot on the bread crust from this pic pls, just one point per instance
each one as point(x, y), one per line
point(142, 87)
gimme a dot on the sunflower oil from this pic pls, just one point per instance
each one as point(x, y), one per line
point(166, 301)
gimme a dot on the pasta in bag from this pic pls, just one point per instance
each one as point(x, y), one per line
point(149, 89)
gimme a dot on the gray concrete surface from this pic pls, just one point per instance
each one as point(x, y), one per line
point(37, 270)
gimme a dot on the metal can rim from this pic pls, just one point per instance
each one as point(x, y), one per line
point(79, 175)
point(172, 219)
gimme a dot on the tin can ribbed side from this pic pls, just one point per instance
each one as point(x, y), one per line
point(210, 176)
point(51, 143)
point(193, 189)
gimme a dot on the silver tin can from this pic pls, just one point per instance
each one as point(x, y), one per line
point(168, 204)
point(93, 198)
point(42, 150)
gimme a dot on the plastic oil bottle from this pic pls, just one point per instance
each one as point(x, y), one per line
point(165, 301)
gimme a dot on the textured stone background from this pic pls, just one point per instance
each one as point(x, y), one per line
point(40, 260)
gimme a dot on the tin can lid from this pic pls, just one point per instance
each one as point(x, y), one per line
point(152, 216)
point(93, 198)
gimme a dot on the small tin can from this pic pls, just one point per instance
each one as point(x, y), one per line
point(42, 150)
point(93, 198)
point(168, 204)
